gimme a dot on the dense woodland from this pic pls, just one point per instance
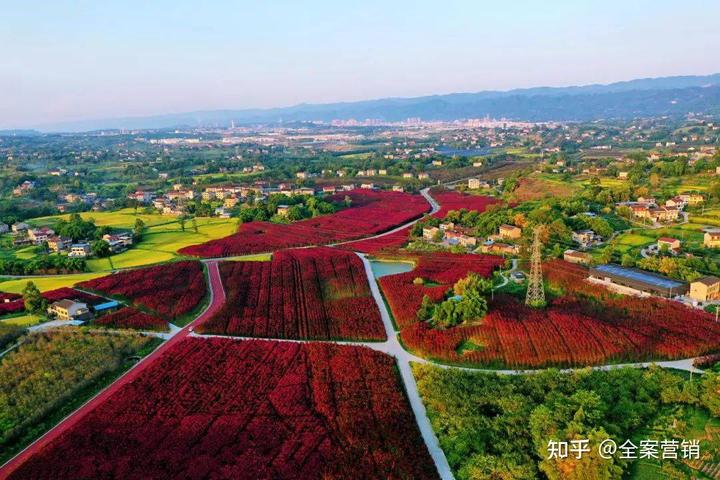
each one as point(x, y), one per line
point(498, 427)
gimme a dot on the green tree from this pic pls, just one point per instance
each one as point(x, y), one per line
point(100, 248)
point(34, 301)
point(139, 228)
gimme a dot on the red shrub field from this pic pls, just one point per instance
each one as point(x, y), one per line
point(389, 242)
point(585, 326)
point(172, 289)
point(439, 271)
point(317, 293)
point(128, 317)
point(218, 408)
point(452, 200)
point(72, 294)
point(12, 307)
point(9, 297)
point(370, 213)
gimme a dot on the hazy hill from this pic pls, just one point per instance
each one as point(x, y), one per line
point(649, 97)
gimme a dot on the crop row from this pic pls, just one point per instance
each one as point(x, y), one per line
point(217, 408)
point(319, 293)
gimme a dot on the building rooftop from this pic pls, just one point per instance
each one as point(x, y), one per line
point(709, 280)
point(638, 275)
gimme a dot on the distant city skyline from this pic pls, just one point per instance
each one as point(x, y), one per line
point(67, 61)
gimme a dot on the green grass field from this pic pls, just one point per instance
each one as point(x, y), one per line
point(124, 218)
point(161, 240)
point(50, 282)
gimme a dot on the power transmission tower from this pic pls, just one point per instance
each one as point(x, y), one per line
point(536, 289)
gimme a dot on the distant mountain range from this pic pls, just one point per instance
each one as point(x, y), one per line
point(650, 97)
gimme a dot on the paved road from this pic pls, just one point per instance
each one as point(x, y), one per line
point(217, 299)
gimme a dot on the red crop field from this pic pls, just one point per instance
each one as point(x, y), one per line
point(317, 293)
point(217, 408)
point(12, 307)
point(172, 289)
point(389, 242)
point(72, 294)
point(439, 272)
point(370, 213)
point(573, 330)
point(6, 297)
point(128, 317)
point(452, 200)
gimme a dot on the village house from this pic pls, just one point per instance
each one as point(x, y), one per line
point(664, 214)
point(705, 289)
point(79, 250)
point(437, 163)
point(367, 186)
point(4, 228)
point(675, 202)
point(67, 309)
point(407, 175)
point(398, 188)
point(510, 232)
point(497, 248)
point(692, 199)
point(474, 183)
point(423, 176)
point(457, 238)
point(447, 226)
point(711, 239)
point(230, 202)
point(584, 237)
point(39, 235)
point(672, 244)
point(573, 256)
point(58, 244)
point(429, 233)
point(283, 210)
point(302, 175)
point(382, 171)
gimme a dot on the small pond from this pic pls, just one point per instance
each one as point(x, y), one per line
point(383, 268)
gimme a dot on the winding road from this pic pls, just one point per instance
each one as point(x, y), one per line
point(392, 346)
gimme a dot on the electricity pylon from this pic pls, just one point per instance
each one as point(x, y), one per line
point(536, 289)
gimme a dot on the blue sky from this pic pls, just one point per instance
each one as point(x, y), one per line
point(70, 60)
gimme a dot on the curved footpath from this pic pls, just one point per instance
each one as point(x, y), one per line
point(217, 299)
